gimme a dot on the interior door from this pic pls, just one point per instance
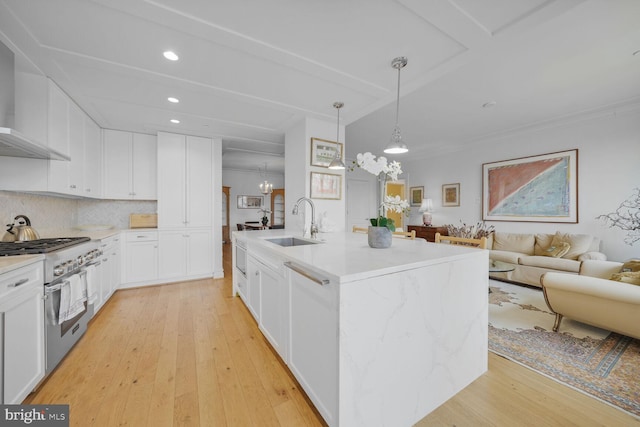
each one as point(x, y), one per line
point(396, 188)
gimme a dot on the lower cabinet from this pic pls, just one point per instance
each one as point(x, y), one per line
point(313, 346)
point(140, 256)
point(185, 254)
point(109, 270)
point(22, 351)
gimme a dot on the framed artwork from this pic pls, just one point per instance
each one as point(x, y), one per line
point(451, 194)
point(541, 188)
point(416, 194)
point(250, 202)
point(326, 186)
point(324, 151)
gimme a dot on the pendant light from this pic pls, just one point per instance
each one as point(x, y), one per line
point(337, 163)
point(396, 146)
point(266, 187)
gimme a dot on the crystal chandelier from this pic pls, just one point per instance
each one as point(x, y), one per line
point(396, 146)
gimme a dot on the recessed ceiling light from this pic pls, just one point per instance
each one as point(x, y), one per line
point(176, 121)
point(489, 104)
point(171, 56)
point(173, 100)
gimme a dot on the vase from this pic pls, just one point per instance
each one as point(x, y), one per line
point(379, 237)
point(265, 220)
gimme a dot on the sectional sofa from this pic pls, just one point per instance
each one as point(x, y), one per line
point(535, 254)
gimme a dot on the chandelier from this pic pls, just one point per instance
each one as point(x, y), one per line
point(266, 187)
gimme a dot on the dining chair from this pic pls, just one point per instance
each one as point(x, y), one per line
point(357, 229)
point(452, 240)
point(405, 234)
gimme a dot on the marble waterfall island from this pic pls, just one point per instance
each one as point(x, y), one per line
point(376, 337)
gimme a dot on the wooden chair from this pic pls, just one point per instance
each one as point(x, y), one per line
point(480, 243)
point(405, 234)
point(357, 229)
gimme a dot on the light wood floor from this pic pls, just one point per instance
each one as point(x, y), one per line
point(188, 354)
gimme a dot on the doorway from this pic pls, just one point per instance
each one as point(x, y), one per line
point(396, 188)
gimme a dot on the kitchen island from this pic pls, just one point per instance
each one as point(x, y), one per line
point(374, 336)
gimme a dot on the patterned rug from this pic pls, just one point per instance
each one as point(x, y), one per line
point(599, 363)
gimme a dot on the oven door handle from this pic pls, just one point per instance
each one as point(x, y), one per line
point(48, 290)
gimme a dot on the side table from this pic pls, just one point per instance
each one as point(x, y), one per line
point(428, 232)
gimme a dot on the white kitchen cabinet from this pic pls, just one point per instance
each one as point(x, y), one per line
point(22, 326)
point(313, 345)
point(130, 165)
point(140, 256)
point(185, 254)
point(253, 287)
point(92, 171)
point(111, 270)
point(185, 181)
point(58, 119)
point(67, 177)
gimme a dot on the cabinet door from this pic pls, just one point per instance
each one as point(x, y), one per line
point(172, 254)
point(22, 318)
point(144, 168)
point(76, 148)
point(117, 164)
point(272, 309)
point(171, 180)
point(92, 159)
point(141, 261)
point(253, 287)
point(199, 257)
point(199, 182)
point(58, 119)
point(313, 346)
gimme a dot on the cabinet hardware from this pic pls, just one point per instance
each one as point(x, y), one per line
point(72, 186)
point(18, 283)
point(307, 274)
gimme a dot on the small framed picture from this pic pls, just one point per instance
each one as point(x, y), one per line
point(326, 186)
point(324, 151)
point(250, 202)
point(451, 194)
point(416, 194)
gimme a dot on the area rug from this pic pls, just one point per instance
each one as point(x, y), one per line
point(599, 363)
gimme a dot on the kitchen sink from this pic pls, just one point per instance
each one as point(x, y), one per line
point(291, 241)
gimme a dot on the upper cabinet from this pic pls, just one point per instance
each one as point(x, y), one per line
point(130, 165)
point(46, 114)
point(185, 181)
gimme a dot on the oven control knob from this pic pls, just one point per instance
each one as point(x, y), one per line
point(90, 256)
point(80, 260)
point(58, 270)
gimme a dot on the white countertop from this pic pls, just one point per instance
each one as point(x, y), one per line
point(9, 263)
point(348, 257)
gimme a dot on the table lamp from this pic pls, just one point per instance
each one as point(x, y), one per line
point(426, 207)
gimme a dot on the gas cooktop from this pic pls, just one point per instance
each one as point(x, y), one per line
point(40, 246)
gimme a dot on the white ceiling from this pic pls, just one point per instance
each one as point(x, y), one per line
point(249, 69)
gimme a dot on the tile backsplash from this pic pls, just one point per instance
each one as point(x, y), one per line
point(51, 212)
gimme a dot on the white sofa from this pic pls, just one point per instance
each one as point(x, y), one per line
point(529, 254)
point(592, 298)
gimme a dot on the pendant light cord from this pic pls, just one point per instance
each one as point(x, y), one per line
point(398, 98)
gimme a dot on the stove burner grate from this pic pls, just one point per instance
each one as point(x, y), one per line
point(40, 246)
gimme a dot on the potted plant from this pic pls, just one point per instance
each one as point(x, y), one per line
point(265, 217)
point(382, 226)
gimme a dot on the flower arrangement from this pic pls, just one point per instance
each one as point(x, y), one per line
point(384, 170)
point(476, 231)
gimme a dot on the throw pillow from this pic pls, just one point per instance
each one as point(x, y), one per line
point(557, 251)
point(631, 265)
point(631, 277)
point(579, 243)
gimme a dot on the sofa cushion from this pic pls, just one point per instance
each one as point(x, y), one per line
point(505, 256)
point(543, 241)
point(631, 277)
point(560, 264)
point(514, 242)
point(557, 251)
point(580, 243)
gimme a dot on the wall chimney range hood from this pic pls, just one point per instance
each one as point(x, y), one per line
point(15, 144)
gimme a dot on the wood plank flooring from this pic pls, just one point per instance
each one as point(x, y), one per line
point(188, 354)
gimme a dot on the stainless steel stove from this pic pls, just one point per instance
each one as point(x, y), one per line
point(40, 246)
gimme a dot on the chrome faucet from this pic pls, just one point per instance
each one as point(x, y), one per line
point(314, 227)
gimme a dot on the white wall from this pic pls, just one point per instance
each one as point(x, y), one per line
point(298, 175)
point(245, 183)
point(608, 170)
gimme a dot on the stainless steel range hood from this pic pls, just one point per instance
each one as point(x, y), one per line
point(15, 144)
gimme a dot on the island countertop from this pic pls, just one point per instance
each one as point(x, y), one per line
point(347, 257)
